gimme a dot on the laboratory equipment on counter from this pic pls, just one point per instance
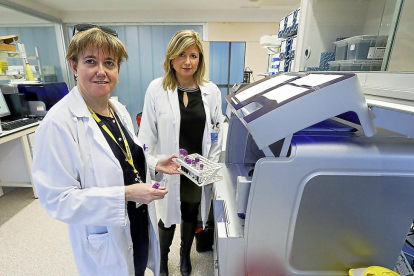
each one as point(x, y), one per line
point(32, 99)
point(320, 190)
point(4, 109)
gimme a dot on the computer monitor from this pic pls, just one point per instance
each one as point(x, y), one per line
point(48, 93)
point(4, 109)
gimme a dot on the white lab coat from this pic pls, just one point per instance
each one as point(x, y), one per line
point(80, 182)
point(160, 131)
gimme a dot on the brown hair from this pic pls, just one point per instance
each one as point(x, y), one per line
point(95, 37)
point(178, 44)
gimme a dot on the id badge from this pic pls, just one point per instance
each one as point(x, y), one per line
point(214, 136)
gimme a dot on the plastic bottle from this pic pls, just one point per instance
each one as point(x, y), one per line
point(29, 72)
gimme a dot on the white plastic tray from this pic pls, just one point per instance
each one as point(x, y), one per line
point(201, 177)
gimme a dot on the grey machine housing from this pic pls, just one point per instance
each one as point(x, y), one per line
point(305, 190)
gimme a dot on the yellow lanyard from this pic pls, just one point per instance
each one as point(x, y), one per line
point(127, 154)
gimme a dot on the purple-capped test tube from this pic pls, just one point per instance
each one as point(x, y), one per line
point(200, 177)
point(188, 161)
point(156, 185)
point(193, 164)
point(181, 154)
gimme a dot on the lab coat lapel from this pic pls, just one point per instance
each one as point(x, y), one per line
point(79, 109)
point(175, 107)
point(206, 137)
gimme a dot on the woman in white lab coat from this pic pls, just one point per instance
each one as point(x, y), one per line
point(182, 111)
point(89, 167)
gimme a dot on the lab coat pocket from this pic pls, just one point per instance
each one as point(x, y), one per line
point(103, 251)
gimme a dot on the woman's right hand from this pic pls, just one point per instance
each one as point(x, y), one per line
point(144, 193)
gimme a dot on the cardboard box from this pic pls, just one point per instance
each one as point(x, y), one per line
point(7, 47)
point(5, 43)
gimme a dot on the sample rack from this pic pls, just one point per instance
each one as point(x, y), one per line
point(200, 177)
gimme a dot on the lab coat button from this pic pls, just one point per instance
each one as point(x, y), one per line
point(119, 139)
point(136, 179)
point(129, 248)
point(113, 121)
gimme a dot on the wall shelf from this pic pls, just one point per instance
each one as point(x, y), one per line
point(23, 56)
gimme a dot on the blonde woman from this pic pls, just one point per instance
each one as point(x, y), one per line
point(89, 167)
point(179, 112)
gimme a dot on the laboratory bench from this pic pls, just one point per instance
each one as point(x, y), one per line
point(16, 148)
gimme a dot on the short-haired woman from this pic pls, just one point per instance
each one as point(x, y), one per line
point(90, 169)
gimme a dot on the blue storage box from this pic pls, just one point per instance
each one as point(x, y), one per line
point(325, 58)
point(289, 24)
point(285, 48)
point(293, 47)
point(313, 69)
point(275, 59)
point(286, 65)
point(282, 27)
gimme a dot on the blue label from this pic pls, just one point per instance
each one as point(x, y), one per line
point(214, 137)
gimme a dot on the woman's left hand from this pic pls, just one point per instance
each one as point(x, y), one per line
point(167, 165)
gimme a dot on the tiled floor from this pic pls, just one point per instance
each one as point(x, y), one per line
point(32, 243)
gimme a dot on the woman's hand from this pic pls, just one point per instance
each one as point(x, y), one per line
point(167, 165)
point(144, 193)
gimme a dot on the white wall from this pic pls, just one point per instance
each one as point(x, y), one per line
point(12, 18)
point(31, 7)
point(256, 56)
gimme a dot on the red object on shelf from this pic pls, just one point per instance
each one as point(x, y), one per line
point(139, 115)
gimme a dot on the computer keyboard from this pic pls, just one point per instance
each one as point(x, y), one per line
point(18, 123)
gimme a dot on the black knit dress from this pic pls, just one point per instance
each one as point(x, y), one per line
point(193, 120)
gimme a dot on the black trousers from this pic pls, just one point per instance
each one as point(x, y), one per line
point(189, 213)
point(140, 236)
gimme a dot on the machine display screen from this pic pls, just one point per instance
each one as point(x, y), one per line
point(4, 109)
point(259, 88)
point(48, 93)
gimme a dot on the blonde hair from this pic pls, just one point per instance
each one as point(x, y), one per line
point(95, 37)
point(178, 44)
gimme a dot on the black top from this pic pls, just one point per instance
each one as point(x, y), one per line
point(138, 217)
point(193, 120)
